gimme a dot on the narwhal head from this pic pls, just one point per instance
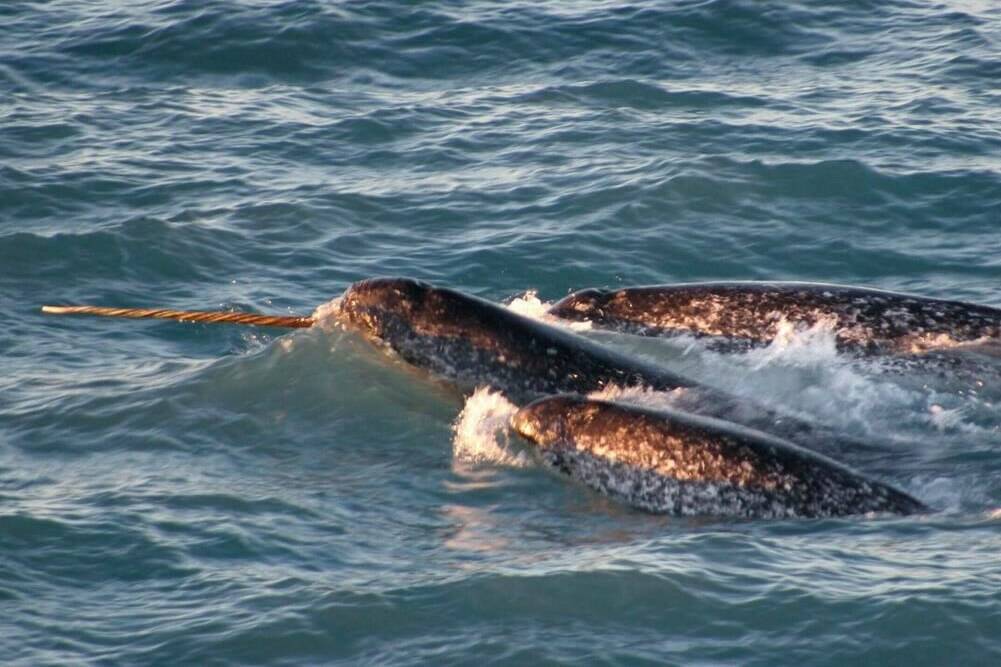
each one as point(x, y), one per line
point(390, 309)
point(585, 304)
point(454, 335)
point(383, 308)
point(548, 421)
point(474, 342)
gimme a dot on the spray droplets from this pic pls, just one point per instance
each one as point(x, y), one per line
point(481, 433)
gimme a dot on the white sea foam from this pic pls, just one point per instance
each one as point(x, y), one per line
point(326, 314)
point(481, 433)
point(944, 419)
point(801, 372)
point(795, 345)
point(639, 396)
point(529, 305)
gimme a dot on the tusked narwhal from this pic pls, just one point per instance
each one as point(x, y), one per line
point(472, 342)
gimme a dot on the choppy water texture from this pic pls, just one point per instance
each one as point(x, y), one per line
point(184, 494)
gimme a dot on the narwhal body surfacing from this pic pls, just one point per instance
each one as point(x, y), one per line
point(862, 320)
point(473, 342)
point(659, 461)
point(675, 463)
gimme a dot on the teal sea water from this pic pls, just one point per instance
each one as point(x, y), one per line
point(187, 494)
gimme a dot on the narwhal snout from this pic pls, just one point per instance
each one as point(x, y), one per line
point(579, 305)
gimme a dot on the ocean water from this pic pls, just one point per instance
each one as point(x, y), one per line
point(189, 494)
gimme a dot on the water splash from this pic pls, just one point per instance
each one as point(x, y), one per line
point(481, 433)
point(530, 305)
point(799, 372)
point(639, 396)
point(326, 314)
point(796, 345)
point(944, 419)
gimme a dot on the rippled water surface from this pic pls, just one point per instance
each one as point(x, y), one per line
point(189, 494)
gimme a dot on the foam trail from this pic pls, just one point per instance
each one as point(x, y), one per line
point(481, 432)
point(800, 371)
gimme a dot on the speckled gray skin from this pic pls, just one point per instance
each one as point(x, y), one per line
point(472, 342)
point(675, 463)
point(864, 320)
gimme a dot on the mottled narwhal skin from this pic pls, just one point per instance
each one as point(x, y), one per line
point(676, 463)
point(473, 342)
point(864, 320)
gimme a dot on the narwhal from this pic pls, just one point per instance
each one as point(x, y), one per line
point(473, 342)
point(671, 462)
point(863, 320)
